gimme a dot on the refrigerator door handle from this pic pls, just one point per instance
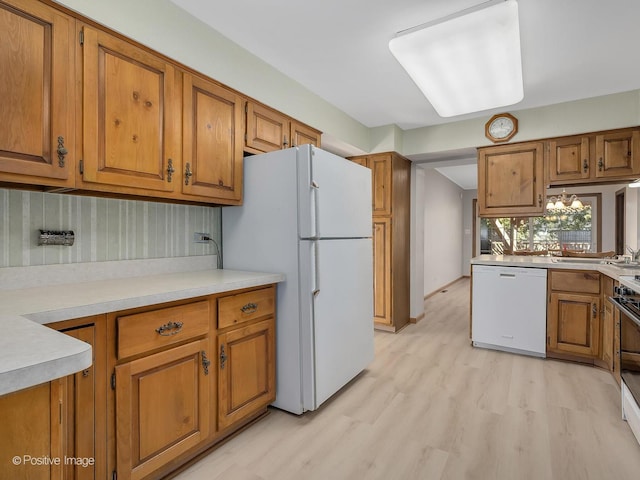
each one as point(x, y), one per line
point(316, 207)
point(316, 269)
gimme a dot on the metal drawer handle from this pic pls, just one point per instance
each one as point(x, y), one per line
point(169, 329)
point(250, 308)
point(205, 362)
point(223, 357)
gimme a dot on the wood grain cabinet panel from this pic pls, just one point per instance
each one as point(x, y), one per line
point(37, 139)
point(246, 374)
point(510, 180)
point(268, 130)
point(131, 117)
point(574, 324)
point(212, 140)
point(382, 271)
point(31, 423)
point(569, 159)
point(618, 154)
point(162, 408)
point(574, 316)
point(303, 135)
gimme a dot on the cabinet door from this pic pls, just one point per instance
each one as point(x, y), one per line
point(303, 135)
point(37, 94)
point(246, 380)
point(267, 130)
point(574, 324)
point(162, 408)
point(510, 181)
point(31, 430)
point(381, 174)
point(607, 334)
point(131, 116)
point(81, 413)
point(212, 137)
point(382, 271)
point(618, 154)
point(569, 159)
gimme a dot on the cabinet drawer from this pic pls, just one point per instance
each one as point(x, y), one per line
point(235, 309)
point(575, 281)
point(143, 332)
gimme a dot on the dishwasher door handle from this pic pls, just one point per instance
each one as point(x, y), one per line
point(507, 275)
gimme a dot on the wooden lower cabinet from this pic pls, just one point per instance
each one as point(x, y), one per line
point(574, 324)
point(186, 375)
point(246, 377)
point(162, 408)
point(574, 314)
point(31, 423)
point(382, 271)
point(56, 429)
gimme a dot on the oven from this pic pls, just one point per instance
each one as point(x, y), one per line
point(627, 300)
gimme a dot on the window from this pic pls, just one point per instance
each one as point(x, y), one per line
point(568, 229)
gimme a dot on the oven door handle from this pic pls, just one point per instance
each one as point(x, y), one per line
point(620, 306)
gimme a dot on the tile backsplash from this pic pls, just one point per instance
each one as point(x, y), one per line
point(105, 229)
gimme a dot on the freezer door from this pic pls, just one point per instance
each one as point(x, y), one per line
point(337, 329)
point(334, 196)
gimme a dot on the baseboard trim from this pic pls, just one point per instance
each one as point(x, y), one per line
point(416, 319)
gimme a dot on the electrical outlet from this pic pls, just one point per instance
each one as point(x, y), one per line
point(201, 237)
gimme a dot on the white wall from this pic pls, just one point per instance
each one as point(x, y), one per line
point(417, 249)
point(443, 231)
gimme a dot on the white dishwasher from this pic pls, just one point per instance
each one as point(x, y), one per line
point(509, 309)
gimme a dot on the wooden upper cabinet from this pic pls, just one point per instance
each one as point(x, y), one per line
point(131, 116)
point(618, 154)
point(381, 173)
point(569, 159)
point(37, 140)
point(303, 135)
point(212, 140)
point(510, 180)
point(268, 130)
point(381, 166)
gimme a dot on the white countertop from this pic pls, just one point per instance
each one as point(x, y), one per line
point(31, 353)
point(624, 275)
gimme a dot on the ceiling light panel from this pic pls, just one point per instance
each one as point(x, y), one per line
point(468, 63)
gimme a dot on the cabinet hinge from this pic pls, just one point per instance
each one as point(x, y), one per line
point(81, 37)
point(81, 165)
point(113, 381)
point(114, 475)
point(245, 137)
point(548, 340)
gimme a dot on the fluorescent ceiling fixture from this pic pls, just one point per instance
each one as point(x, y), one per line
point(467, 63)
point(635, 183)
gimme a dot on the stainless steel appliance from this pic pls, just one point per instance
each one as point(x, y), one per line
point(627, 301)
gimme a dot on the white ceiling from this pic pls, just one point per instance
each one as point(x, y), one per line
point(338, 49)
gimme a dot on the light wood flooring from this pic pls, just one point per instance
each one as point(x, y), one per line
point(432, 407)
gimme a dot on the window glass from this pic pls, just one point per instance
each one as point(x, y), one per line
point(567, 229)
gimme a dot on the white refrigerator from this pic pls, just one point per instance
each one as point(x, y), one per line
point(307, 214)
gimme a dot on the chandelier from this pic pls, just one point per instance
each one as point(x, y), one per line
point(564, 202)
